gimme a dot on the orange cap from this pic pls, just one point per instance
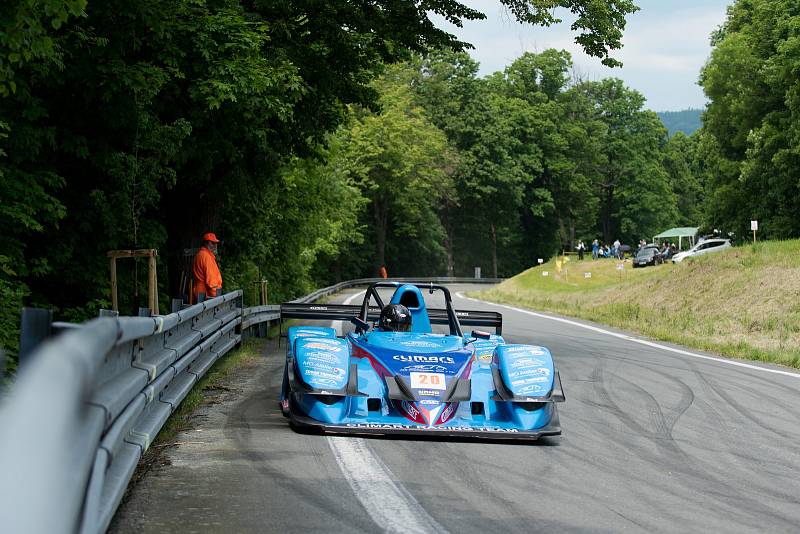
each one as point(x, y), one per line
point(210, 236)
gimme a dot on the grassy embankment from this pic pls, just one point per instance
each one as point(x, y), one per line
point(741, 303)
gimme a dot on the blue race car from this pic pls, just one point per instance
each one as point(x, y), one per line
point(393, 375)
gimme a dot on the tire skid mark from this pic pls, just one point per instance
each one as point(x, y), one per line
point(679, 461)
point(742, 411)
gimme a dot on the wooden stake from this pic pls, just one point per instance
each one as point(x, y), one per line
point(152, 290)
point(114, 301)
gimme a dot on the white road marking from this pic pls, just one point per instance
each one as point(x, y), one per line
point(637, 340)
point(386, 501)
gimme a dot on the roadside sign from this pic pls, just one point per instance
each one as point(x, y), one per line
point(541, 261)
point(545, 273)
point(620, 266)
point(754, 225)
point(587, 275)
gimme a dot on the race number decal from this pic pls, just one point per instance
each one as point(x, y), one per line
point(428, 381)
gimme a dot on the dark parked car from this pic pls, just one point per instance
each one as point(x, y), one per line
point(649, 255)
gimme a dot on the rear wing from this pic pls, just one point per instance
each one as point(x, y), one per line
point(345, 312)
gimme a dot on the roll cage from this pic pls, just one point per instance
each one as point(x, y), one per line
point(372, 291)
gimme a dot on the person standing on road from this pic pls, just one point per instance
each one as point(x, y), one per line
point(207, 278)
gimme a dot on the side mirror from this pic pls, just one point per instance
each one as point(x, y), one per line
point(481, 335)
point(360, 325)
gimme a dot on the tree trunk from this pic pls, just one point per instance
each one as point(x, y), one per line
point(605, 211)
point(494, 250)
point(381, 212)
point(448, 240)
point(562, 232)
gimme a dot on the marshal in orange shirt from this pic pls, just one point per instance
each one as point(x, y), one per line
point(207, 278)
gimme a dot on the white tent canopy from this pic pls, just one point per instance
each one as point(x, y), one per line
point(689, 233)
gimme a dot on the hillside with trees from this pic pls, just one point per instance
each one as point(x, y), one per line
point(687, 121)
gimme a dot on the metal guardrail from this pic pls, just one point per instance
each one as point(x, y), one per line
point(89, 402)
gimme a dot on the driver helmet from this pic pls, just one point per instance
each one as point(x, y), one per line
point(395, 318)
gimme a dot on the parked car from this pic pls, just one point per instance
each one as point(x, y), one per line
point(648, 255)
point(706, 247)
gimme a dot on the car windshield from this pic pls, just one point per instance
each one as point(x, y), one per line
point(646, 252)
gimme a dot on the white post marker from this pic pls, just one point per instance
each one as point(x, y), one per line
point(620, 266)
point(754, 228)
point(541, 261)
point(587, 275)
point(545, 273)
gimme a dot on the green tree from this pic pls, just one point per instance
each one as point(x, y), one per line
point(679, 161)
point(751, 134)
point(632, 187)
point(397, 158)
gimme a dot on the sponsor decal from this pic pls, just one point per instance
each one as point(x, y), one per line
point(424, 368)
point(318, 308)
point(533, 380)
point(335, 371)
point(538, 371)
point(410, 410)
point(323, 345)
point(447, 412)
point(398, 426)
point(530, 389)
point(421, 358)
point(419, 344)
point(323, 359)
point(322, 381)
point(322, 374)
point(428, 393)
point(485, 356)
point(429, 401)
point(428, 380)
point(533, 351)
point(462, 428)
point(526, 362)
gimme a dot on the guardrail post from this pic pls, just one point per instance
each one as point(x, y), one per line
point(177, 305)
point(34, 328)
point(108, 313)
point(145, 312)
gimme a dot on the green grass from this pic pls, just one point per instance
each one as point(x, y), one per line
point(740, 303)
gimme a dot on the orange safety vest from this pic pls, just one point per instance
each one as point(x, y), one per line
point(207, 278)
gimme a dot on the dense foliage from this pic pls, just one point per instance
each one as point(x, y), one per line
point(523, 163)
point(142, 124)
point(749, 148)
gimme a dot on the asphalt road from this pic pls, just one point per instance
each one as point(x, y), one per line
point(654, 440)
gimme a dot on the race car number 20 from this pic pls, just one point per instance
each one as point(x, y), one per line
point(428, 381)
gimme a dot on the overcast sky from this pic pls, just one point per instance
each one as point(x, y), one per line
point(665, 45)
